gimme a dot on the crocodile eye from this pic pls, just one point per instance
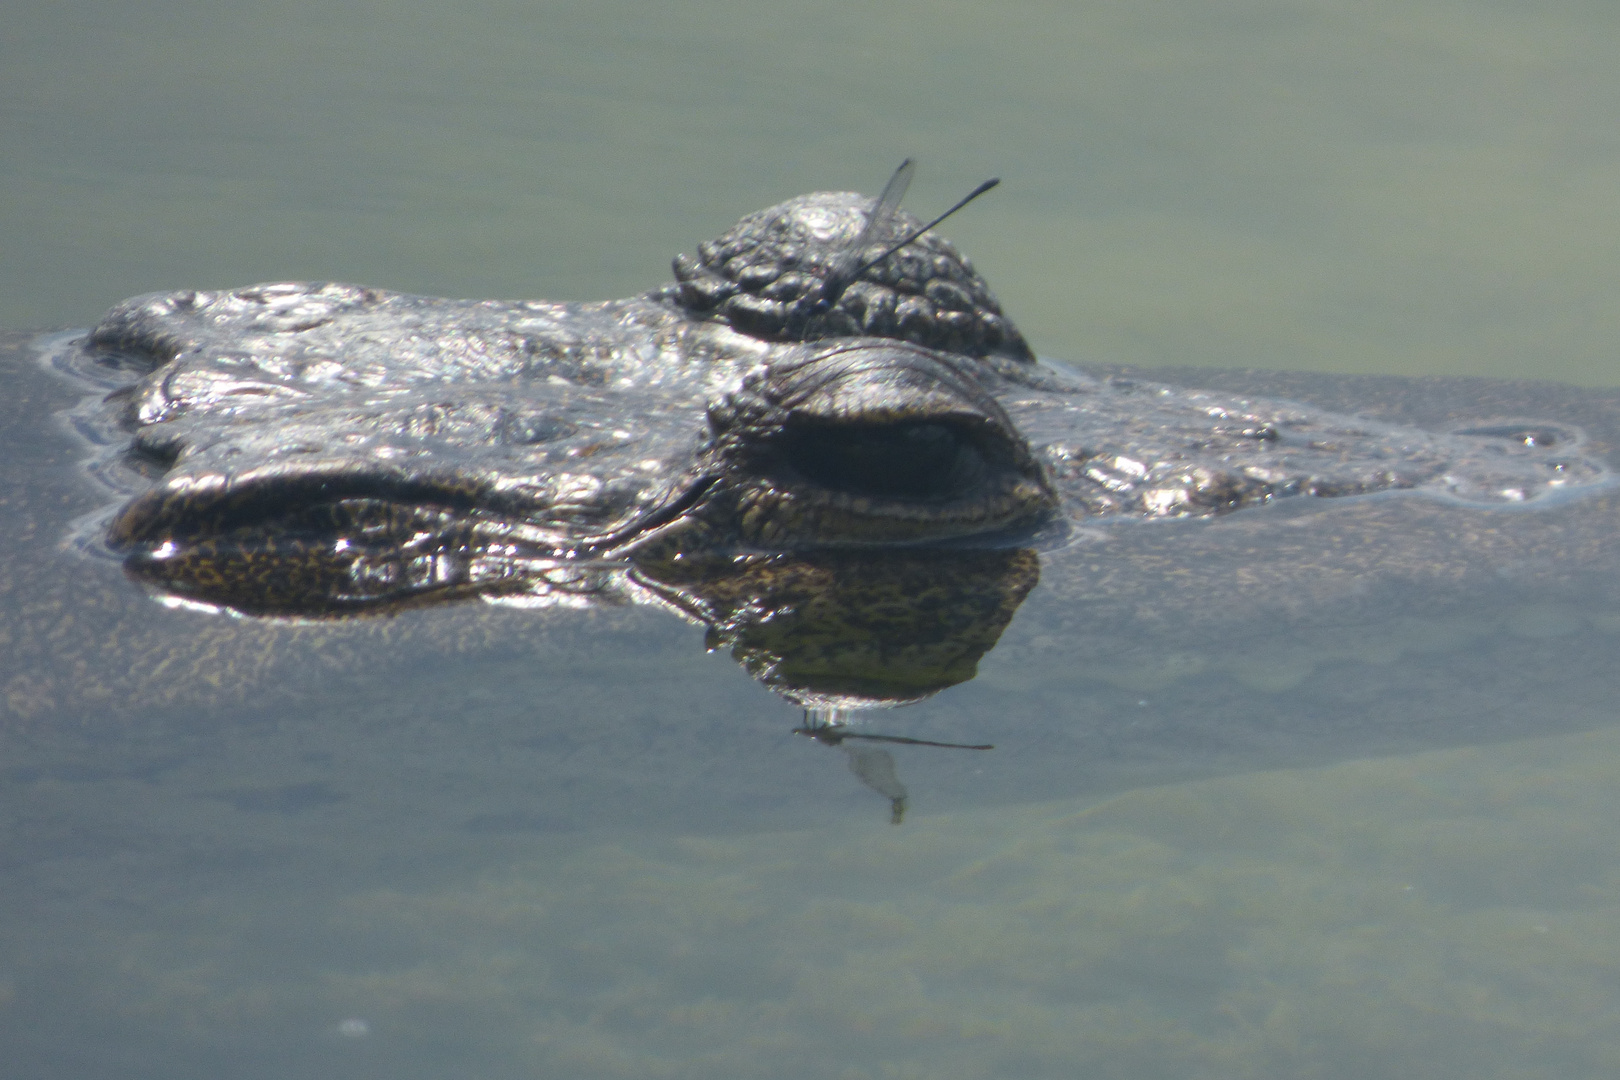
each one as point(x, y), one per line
point(909, 460)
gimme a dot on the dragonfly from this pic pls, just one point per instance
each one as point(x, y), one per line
point(847, 263)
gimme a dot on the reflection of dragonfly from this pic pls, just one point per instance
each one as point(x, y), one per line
point(847, 263)
point(834, 733)
point(874, 767)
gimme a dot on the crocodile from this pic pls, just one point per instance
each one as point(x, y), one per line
point(852, 490)
point(329, 447)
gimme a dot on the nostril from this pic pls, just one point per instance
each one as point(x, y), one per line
point(912, 460)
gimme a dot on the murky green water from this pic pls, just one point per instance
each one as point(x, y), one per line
point(504, 843)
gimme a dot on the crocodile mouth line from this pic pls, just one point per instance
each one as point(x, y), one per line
point(650, 527)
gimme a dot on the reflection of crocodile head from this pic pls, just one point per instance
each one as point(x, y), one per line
point(830, 626)
point(827, 627)
point(326, 449)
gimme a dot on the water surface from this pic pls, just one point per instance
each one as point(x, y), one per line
point(1374, 841)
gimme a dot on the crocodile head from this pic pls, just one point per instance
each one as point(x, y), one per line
point(358, 495)
point(320, 444)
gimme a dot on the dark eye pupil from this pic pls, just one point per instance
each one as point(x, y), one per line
point(919, 460)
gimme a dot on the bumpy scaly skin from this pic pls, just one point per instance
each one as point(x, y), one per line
point(754, 277)
point(331, 444)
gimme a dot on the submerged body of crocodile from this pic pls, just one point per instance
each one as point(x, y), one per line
point(385, 447)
